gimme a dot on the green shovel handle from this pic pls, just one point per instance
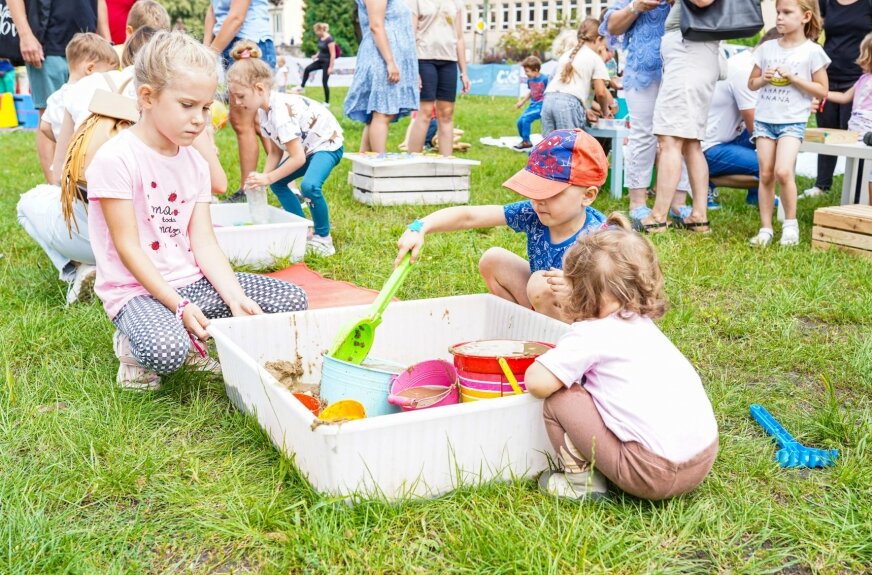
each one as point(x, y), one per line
point(391, 286)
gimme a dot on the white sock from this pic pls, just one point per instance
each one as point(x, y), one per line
point(768, 231)
point(791, 224)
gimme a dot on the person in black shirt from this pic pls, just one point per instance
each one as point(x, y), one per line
point(846, 22)
point(324, 59)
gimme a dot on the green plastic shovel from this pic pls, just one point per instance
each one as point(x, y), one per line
point(355, 339)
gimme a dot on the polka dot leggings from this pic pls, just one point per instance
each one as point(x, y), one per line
point(159, 341)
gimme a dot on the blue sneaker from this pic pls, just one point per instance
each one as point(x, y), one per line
point(713, 198)
point(751, 199)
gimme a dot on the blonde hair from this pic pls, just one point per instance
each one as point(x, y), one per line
point(89, 47)
point(148, 13)
point(588, 31)
point(815, 24)
point(865, 58)
point(322, 26)
point(167, 55)
point(248, 69)
point(616, 263)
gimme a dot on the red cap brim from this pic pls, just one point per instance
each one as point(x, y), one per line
point(534, 187)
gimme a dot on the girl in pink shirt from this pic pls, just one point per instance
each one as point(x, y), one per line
point(621, 401)
point(160, 272)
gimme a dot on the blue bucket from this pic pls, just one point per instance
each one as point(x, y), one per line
point(369, 383)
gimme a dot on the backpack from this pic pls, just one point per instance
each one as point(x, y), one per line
point(110, 114)
point(337, 51)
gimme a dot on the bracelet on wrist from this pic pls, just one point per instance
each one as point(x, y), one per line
point(416, 226)
point(180, 308)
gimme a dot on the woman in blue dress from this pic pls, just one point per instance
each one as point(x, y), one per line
point(385, 85)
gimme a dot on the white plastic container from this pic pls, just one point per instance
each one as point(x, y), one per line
point(416, 453)
point(246, 243)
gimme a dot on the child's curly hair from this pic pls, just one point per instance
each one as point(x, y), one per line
point(248, 68)
point(617, 263)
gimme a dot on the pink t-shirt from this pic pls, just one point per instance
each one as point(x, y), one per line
point(643, 387)
point(861, 111)
point(164, 190)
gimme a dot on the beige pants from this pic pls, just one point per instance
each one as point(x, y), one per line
point(579, 436)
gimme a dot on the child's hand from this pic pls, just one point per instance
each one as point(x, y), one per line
point(561, 288)
point(245, 306)
point(409, 242)
point(768, 74)
point(518, 105)
point(256, 180)
point(784, 73)
point(195, 322)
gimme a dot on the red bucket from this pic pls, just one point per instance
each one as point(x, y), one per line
point(483, 356)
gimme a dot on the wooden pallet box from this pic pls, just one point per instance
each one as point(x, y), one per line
point(847, 228)
point(397, 179)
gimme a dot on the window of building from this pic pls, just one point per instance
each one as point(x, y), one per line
point(505, 22)
point(468, 18)
point(531, 15)
point(543, 21)
point(573, 11)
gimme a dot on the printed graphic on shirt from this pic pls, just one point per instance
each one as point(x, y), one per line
point(291, 116)
point(166, 212)
point(537, 87)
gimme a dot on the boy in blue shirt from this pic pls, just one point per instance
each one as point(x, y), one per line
point(536, 82)
point(561, 180)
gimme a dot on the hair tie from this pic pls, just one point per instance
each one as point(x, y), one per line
point(245, 54)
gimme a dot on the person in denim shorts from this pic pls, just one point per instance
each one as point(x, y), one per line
point(788, 72)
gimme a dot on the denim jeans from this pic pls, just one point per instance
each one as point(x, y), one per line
point(315, 172)
point(738, 157)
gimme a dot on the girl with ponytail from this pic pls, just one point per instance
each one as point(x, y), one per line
point(579, 70)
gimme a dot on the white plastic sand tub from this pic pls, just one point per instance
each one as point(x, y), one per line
point(421, 453)
point(259, 244)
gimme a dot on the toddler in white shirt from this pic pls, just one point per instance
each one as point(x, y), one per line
point(621, 401)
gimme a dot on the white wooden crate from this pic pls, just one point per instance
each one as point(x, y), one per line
point(396, 179)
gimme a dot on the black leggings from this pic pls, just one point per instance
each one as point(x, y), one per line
point(319, 65)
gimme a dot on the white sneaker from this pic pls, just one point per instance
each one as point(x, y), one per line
point(82, 286)
point(131, 375)
point(789, 236)
point(762, 239)
point(200, 363)
point(585, 485)
point(813, 192)
point(320, 245)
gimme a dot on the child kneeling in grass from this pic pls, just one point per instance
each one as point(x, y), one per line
point(621, 401)
point(561, 180)
point(160, 272)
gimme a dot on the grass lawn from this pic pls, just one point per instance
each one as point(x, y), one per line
point(96, 480)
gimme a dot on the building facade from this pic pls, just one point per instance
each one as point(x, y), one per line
point(286, 20)
point(488, 20)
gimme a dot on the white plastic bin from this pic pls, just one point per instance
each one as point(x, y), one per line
point(416, 453)
point(258, 245)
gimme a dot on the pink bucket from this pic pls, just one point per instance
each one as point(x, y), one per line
point(427, 384)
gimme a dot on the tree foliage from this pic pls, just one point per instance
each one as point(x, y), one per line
point(191, 12)
point(340, 15)
point(522, 42)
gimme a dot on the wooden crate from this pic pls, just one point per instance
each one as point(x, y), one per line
point(395, 179)
point(847, 228)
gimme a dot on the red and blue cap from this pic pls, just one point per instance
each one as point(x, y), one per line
point(563, 158)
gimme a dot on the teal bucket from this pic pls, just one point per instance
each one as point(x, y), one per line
point(369, 383)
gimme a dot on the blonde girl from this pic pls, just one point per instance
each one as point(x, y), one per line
point(294, 125)
point(789, 72)
point(622, 404)
point(160, 273)
point(324, 59)
point(577, 71)
point(860, 94)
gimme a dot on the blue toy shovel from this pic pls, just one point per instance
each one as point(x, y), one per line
point(355, 339)
point(792, 452)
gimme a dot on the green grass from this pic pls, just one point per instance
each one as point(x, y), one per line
point(95, 480)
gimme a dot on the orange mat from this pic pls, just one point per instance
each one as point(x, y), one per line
point(324, 292)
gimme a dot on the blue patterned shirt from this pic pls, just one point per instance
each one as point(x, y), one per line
point(544, 255)
point(642, 43)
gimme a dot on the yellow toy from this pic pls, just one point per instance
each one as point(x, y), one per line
point(219, 114)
